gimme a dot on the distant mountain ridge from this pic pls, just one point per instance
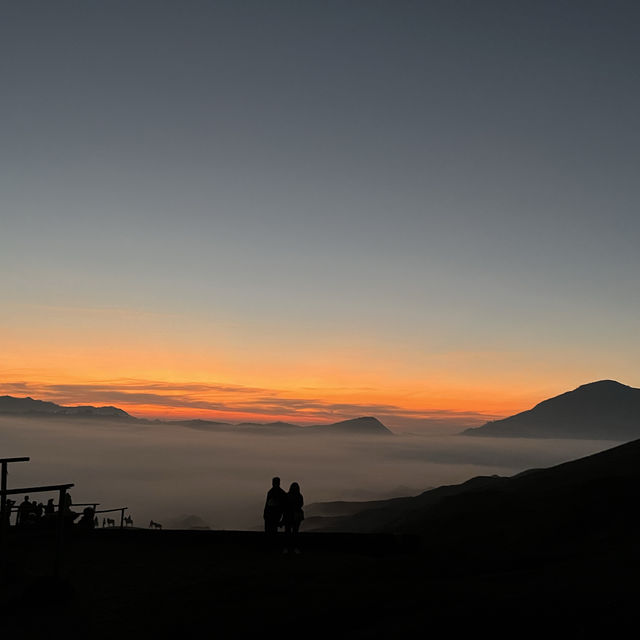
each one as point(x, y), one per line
point(26, 406)
point(29, 407)
point(603, 410)
point(367, 425)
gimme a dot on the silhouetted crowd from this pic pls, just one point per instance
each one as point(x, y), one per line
point(33, 514)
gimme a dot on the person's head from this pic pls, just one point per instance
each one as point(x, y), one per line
point(294, 488)
point(26, 498)
point(275, 482)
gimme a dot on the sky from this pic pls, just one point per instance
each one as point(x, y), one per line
point(422, 211)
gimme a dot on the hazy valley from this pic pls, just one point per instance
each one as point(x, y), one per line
point(163, 471)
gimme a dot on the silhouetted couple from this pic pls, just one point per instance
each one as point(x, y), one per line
point(283, 509)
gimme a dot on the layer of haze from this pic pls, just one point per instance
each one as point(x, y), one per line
point(421, 205)
point(165, 472)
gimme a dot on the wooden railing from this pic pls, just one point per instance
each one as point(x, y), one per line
point(62, 507)
point(120, 509)
point(5, 514)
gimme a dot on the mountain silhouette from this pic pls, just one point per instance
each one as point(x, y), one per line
point(40, 408)
point(26, 406)
point(359, 426)
point(354, 426)
point(589, 498)
point(203, 425)
point(268, 427)
point(604, 410)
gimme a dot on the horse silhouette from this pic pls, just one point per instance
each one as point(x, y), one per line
point(154, 525)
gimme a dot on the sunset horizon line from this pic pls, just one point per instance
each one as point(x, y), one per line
point(235, 404)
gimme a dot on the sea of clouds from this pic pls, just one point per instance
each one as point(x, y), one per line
point(164, 471)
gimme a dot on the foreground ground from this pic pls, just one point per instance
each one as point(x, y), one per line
point(194, 584)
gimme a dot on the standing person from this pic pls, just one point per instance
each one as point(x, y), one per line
point(67, 502)
point(293, 517)
point(24, 512)
point(7, 513)
point(274, 506)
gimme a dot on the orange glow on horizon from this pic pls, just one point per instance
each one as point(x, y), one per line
point(228, 402)
point(155, 366)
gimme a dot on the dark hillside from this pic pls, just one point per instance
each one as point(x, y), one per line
point(589, 498)
point(356, 426)
point(29, 406)
point(604, 410)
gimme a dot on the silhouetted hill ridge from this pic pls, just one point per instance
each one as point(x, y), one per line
point(594, 495)
point(364, 425)
point(603, 410)
point(21, 406)
point(39, 408)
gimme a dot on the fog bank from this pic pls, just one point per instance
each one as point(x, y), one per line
point(163, 471)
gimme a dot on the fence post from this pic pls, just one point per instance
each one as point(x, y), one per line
point(3, 505)
point(60, 538)
point(4, 523)
point(5, 516)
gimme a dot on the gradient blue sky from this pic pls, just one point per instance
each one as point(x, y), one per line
point(435, 202)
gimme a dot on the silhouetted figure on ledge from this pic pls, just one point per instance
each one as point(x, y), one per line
point(7, 514)
point(65, 509)
point(48, 521)
point(24, 512)
point(87, 521)
point(292, 517)
point(37, 509)
point(67, 502)
point(274, 507)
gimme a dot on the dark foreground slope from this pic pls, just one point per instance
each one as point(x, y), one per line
point(604, 410)
point(173, 584)
point(594, 496)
